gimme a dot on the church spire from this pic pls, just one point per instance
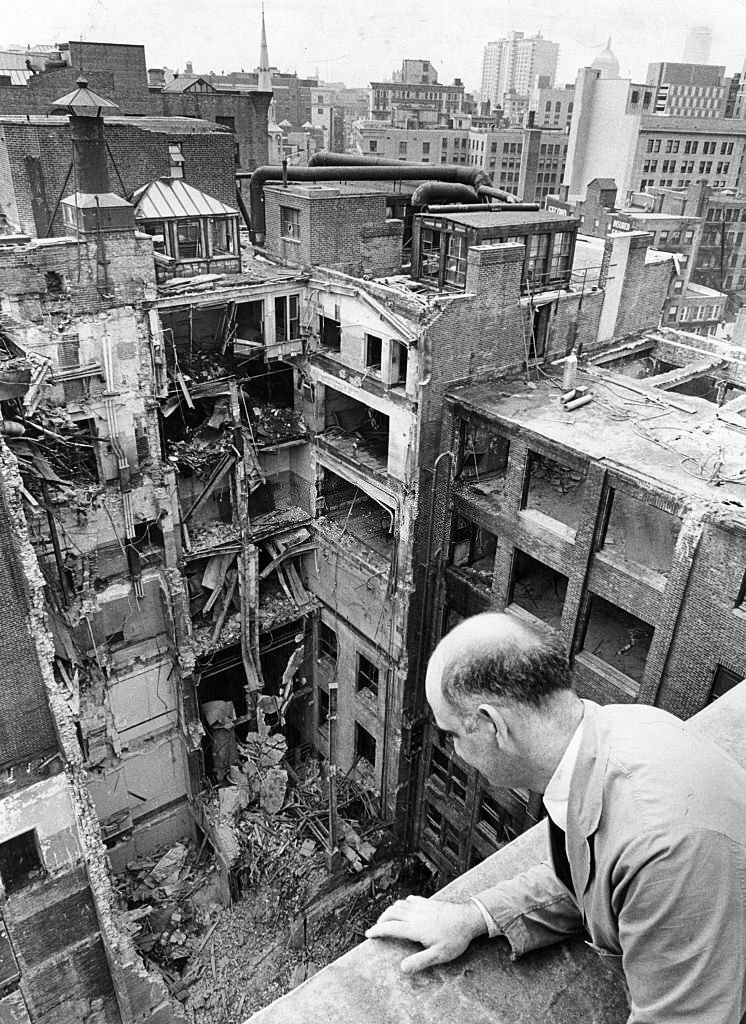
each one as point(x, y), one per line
point(265, 75)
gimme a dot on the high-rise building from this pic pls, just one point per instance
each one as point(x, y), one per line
point(688, 90)
point(629, 132)
point(698, 45)
point(510, 65)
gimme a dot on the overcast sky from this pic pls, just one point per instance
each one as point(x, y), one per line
point(359, 40)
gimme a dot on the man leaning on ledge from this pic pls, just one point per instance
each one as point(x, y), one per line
point(646, 821)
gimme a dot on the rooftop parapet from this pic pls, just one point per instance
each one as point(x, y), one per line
point(566, 982)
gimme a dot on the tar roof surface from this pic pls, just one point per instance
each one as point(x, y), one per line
point(679, 450)
point(506, 218)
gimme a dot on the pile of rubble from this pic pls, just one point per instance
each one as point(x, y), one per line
point(274, 423)
point(231, 934)
point(174, 898)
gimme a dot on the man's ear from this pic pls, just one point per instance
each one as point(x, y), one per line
point(496, 719)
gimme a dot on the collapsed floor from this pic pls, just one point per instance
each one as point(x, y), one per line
point(229, 942)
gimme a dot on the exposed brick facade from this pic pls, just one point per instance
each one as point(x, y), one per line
point(37, 158)
point(344, 231)
point(118, 72)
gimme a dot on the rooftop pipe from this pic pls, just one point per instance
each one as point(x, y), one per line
point(395, 171)
point(481, 208)
point(444, 192)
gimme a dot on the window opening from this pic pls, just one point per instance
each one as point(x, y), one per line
point(328, 647)
point(20, 861)
point(290, 223)
point(367, 675)
point(617, 637)
point(330, 333)
point(639, 534)
point(287, 318)
point(723, 681)
point(322, 710)
point(373, 350)
point(554, 489)
point(365, 745)
point(483, 458)
point(538, 589)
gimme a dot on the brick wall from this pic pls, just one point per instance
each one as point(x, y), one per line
point(644, 289)
point(248, 109)
point(340, 231)
point(126, 65)
point(118, 72)
point(346, 232)
point(129, 271)
point(26, 729)
point(136, 157)
point(44, 89)
point(694, 612)
point(710, 629)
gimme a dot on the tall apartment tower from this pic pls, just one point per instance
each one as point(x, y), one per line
point(698, 45)
point(510, 65)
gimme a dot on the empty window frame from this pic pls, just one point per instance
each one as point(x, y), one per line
point(250, 321)
point(328, 646)
point(724, 680)
point(399, 358)
point(82, 459)
point(370, 522)
point(287, 318)
point(365, 745)
point(330, 333)
point(322, 709)
point(158, 231)
point(473, 547)
point(537, 342)
point(617, 637)
point(483, 453)
point(639, 533)
point(367, 675)
point(356, 427)
point(554, 489)
point(373, 350)
point(741, 598)
point(20, 861)
point(538, 589)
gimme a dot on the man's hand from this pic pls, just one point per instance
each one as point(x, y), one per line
point(444, 929)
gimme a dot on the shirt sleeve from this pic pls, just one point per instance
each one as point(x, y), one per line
point(680, 906)
point(532, 910)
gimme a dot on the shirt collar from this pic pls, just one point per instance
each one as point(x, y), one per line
point(557, 793)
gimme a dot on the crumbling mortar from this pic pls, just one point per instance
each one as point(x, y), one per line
point(86, 820)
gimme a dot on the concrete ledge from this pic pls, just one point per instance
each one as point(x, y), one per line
point(565, 983)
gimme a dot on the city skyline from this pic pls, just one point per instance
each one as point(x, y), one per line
point(370, 45)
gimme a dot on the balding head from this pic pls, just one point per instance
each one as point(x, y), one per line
point(499, 657)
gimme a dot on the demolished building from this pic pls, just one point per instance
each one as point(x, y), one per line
point(237, 472)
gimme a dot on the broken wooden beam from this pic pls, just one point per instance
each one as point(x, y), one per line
point(224, 611)
point(226, 463)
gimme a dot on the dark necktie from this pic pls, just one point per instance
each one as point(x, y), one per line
point(559, 853)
